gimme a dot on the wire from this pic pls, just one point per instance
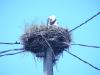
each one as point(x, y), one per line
point(11, 53)
point(87, 45)
point(85, 22)
point(83, 60)
point(10, 43)
point(10, 50)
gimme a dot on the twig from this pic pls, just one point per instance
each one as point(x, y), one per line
point(86, 45)
point(83, 60)
point(85, 22)
point(48, 44)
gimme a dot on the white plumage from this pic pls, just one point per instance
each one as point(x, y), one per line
point(52, 21)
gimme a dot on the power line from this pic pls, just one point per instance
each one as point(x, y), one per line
point(86, 45)
point(83, 60)
point(85, 22)
point(10, 50)
point(11, 53)
point(10, 43)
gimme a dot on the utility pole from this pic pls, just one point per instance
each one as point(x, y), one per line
point(47, 63)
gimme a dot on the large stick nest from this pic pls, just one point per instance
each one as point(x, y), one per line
point(38, 38)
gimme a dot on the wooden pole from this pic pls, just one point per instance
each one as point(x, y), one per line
point(47, 64)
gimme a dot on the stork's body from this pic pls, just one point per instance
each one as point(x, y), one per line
point(52, 21)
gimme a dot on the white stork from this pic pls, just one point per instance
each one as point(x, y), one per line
point(52, 21)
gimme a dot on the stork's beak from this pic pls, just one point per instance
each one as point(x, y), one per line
point(48, 21)
point(52, 22)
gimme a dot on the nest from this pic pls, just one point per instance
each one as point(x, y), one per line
point(38, 38)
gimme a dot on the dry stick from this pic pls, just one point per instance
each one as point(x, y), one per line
point(10, 50)
point(85, 22)
point(48, 44)
point(11, 54)
point(87, 45)
point(83, 60)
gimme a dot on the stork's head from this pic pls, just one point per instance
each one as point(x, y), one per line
point(52, 20)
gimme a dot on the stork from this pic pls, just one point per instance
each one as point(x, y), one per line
point(52, 21)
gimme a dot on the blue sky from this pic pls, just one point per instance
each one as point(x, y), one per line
point(14, 14)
